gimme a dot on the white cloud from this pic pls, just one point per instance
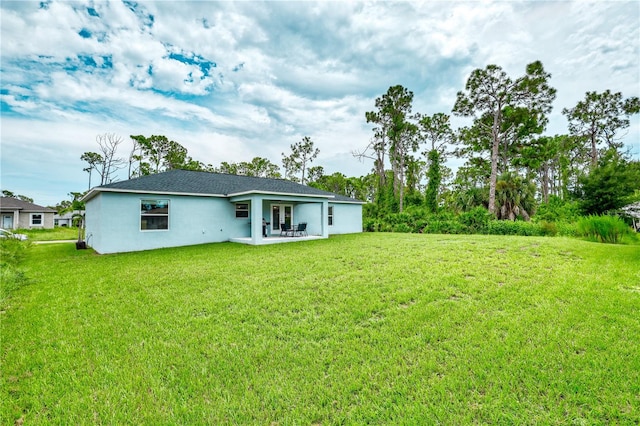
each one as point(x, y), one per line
point(283, 70)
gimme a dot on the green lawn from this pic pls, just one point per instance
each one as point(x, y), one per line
point(359, 329)
point(57, 233)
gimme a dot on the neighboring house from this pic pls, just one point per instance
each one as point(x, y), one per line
point(66, 219)
point(21, 214)
point(633, 211)
point(180, 207)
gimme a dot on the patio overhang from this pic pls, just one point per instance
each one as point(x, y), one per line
point(310, 209)
point(277, 196)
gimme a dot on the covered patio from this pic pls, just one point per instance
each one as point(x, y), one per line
point(269, 212)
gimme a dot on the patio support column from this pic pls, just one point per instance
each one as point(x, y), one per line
point(256, 220)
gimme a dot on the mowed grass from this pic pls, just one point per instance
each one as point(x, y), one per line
point(57, 233)
point(359, 329)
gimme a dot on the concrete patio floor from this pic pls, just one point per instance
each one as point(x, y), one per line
point(276, 240)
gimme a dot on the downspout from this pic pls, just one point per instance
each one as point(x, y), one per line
point(325, 218)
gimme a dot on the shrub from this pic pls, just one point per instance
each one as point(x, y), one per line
point(385, 227)
point(438, 226)
point(402, 227)
point(417, 212)
point(605, 229)
point(397, 218)
point(420, 225)
point(567, 229)
point(399, 222)
point(557, 210)
point(370, 224)
point(10, 280)
point(476, 220)
point(507, 227)
point(548, 229)
point(370, 210)
point(12, 252)
point(413, 219)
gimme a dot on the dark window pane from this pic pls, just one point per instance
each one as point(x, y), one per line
point(154, 207)
point(242, 210)
point(154, 222)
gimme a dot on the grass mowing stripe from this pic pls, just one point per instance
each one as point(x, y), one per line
point(370, 328)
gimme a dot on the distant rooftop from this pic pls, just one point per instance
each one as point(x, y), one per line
point(9, 203)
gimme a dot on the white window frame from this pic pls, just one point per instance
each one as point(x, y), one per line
point(243, 211)
point(330, 215)
point(33, 215)
point(167, 215)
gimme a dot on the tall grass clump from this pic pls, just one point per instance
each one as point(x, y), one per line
point(12, 253)
point(605, 229)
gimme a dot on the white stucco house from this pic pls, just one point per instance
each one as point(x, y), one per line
point(66, 219)
point(180, 207)
point(633, 211)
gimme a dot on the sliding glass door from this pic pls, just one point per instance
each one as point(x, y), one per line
point(281, 213)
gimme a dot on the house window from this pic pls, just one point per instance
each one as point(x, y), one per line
point(242, 210)
point(154, 215)
point(330, 217)
point(36, 219)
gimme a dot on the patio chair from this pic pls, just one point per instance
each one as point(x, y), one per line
point(285, 230)
point(301, 229)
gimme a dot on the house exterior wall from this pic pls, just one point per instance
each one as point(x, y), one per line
point(92, 222)
point(24, 220)
point(312, 214)
point(113, 222)
point(67, 218)
point(63, 221)
point(347, 218)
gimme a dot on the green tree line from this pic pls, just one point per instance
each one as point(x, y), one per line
point(510, 167)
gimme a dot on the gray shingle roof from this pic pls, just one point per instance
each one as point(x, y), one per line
point(205, 183)
point(8, 203)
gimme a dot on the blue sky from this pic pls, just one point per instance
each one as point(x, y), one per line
point(235, 80)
